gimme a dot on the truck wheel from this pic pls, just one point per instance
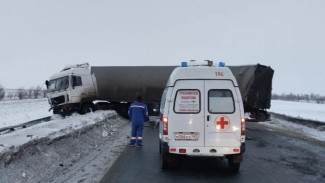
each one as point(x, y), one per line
point(122, 109)
point(234, 167)
point(55, 111)
point(87, 108)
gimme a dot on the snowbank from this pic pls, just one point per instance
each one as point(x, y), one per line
point(50, 130)
point(298, 129)
point(74, 149)
point(297, 111)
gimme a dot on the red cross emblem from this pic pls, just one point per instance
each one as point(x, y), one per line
point(222, 123)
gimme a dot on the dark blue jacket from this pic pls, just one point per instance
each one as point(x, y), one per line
point(138, 112)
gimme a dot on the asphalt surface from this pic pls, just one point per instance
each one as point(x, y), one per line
point(270, 156)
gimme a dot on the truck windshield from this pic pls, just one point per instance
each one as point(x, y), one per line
point(58, 84)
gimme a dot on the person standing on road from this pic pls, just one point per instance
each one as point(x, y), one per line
point(138, 113)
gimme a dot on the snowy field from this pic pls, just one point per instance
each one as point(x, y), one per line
point(14, 112)
point(300, 110)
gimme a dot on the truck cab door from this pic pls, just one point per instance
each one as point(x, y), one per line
point(75, 93)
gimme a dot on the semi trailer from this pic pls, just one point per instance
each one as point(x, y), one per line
point(255, 84)
point(82, 88)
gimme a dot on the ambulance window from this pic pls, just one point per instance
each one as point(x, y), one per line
point(187, 102)
point(163, 100)
point(221, 101)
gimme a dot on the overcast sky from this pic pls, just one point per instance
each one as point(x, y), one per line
point(38, 38)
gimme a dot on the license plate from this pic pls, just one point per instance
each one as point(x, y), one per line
point(186, 136)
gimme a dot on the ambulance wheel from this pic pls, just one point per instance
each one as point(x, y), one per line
point(234, 167)
point(164, 160)
point(159, 147)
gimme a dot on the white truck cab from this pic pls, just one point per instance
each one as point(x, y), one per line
point(202, 114)
point(69, 89)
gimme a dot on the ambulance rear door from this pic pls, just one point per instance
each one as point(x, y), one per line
point(186, 114)
point(222, 114)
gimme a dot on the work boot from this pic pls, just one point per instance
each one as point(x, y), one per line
point(132, 142)
point(139, 145)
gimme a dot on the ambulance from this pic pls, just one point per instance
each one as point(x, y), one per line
point(201, 114)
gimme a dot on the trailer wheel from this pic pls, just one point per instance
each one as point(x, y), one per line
point(122, 109)
point(86, 108)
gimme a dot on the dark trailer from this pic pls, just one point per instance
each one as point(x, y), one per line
point(121, 84)
point(124, 83)
point(255, 84)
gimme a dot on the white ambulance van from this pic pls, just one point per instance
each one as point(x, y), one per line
point(202, 114)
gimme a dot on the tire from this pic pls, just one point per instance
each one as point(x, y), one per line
point(55, 111)
point(233, 167)
point(159, 147)
point(164, 157)
point(122, 109)
point(86, 108)
point(164, 160)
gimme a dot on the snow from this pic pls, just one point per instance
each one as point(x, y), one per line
point(79, 148)
point(55, 128)
point(14, 112)
point(19, 111)
point(300, 110)
point(76, 148)
point(101, 127)
point(302, 130)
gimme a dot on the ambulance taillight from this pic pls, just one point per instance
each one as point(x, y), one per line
point(243, 121)
point(164, 120)
point(165, 126)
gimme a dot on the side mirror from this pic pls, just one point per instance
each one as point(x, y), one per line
point(47, 83)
